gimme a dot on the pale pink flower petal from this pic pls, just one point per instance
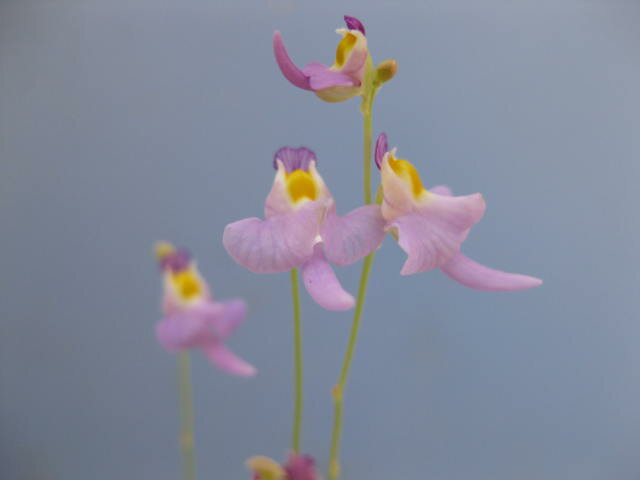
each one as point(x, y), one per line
point(473, 275)
point(188, 329)
point(442, 190)
point(289, 69)
point(323, 285)
point(353, 236)
point(226, 360)
point(232, 314)
point(432, 235)
point(321, 77)
point(277, 244)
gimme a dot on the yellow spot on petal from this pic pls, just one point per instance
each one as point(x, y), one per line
point(407, 172)
point(163, 249)
point(344, 49)
point(186, 284)
point(265, 468)
point(301, 185)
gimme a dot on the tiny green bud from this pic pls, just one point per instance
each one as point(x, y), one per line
point(386, 70)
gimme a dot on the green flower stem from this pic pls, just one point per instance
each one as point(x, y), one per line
point(338, 390)
point(297, 340)
point(370, 89)
point(186, 417)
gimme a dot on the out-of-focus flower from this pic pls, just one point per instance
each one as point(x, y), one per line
point(192, 318)
point(337, 82)
point(302, 229)
point(297, 467)
point(430, 226)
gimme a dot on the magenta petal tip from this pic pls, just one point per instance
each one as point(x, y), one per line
point(354, 24)
point(289, 69)
point(381, 148)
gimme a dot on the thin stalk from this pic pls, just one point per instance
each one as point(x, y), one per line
point(298, 373)
point(338, 391)
point(186, 417)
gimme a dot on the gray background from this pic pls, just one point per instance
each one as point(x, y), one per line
point(127, 121)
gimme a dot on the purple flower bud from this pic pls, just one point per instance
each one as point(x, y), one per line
point(381, 149)
point(176, 261)
point(354, 24)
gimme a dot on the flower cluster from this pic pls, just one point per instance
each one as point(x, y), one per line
point(302, 229)
point(193, 319)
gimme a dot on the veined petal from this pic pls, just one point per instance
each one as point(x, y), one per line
point(349, 238)
point(432, 235)
point(474, 275)
point(192, 328)
point(289, 69)
point(226, 360)
point(277, 244)
point(323, 285)
point(232, 314)
point(322, 77)
point(294, 158)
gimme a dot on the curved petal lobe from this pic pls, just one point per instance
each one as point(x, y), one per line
point(277, 244)
point(432, 235)
point(442, 190)
point(189, 329)
point(228, 361)
point(233, 313)
point(289, 69)
point(474, 275)
point(349, 238)
point(322, 77)
point(323, 285)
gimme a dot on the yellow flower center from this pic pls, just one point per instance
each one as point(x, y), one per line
point(344, 49)
point(301, 185)
point(187, 284)
point(407, 172)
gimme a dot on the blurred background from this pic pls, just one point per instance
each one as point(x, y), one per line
point(123, 122)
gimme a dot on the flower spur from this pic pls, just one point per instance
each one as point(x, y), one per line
point(430, 226)
point(192, 318)
point(302, 229)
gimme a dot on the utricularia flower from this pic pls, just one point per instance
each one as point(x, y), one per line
point(193, 319)
point(430, 226)
point(302, 229)
point(297, 467)
point(344, 78)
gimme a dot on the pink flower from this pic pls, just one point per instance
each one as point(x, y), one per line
point(430, 226)
point(192, 318)
point(297, 467)
point(302, 229)
point(340, 81)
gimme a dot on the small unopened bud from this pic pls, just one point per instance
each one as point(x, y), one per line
point(163, 250)
point(386, 70)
